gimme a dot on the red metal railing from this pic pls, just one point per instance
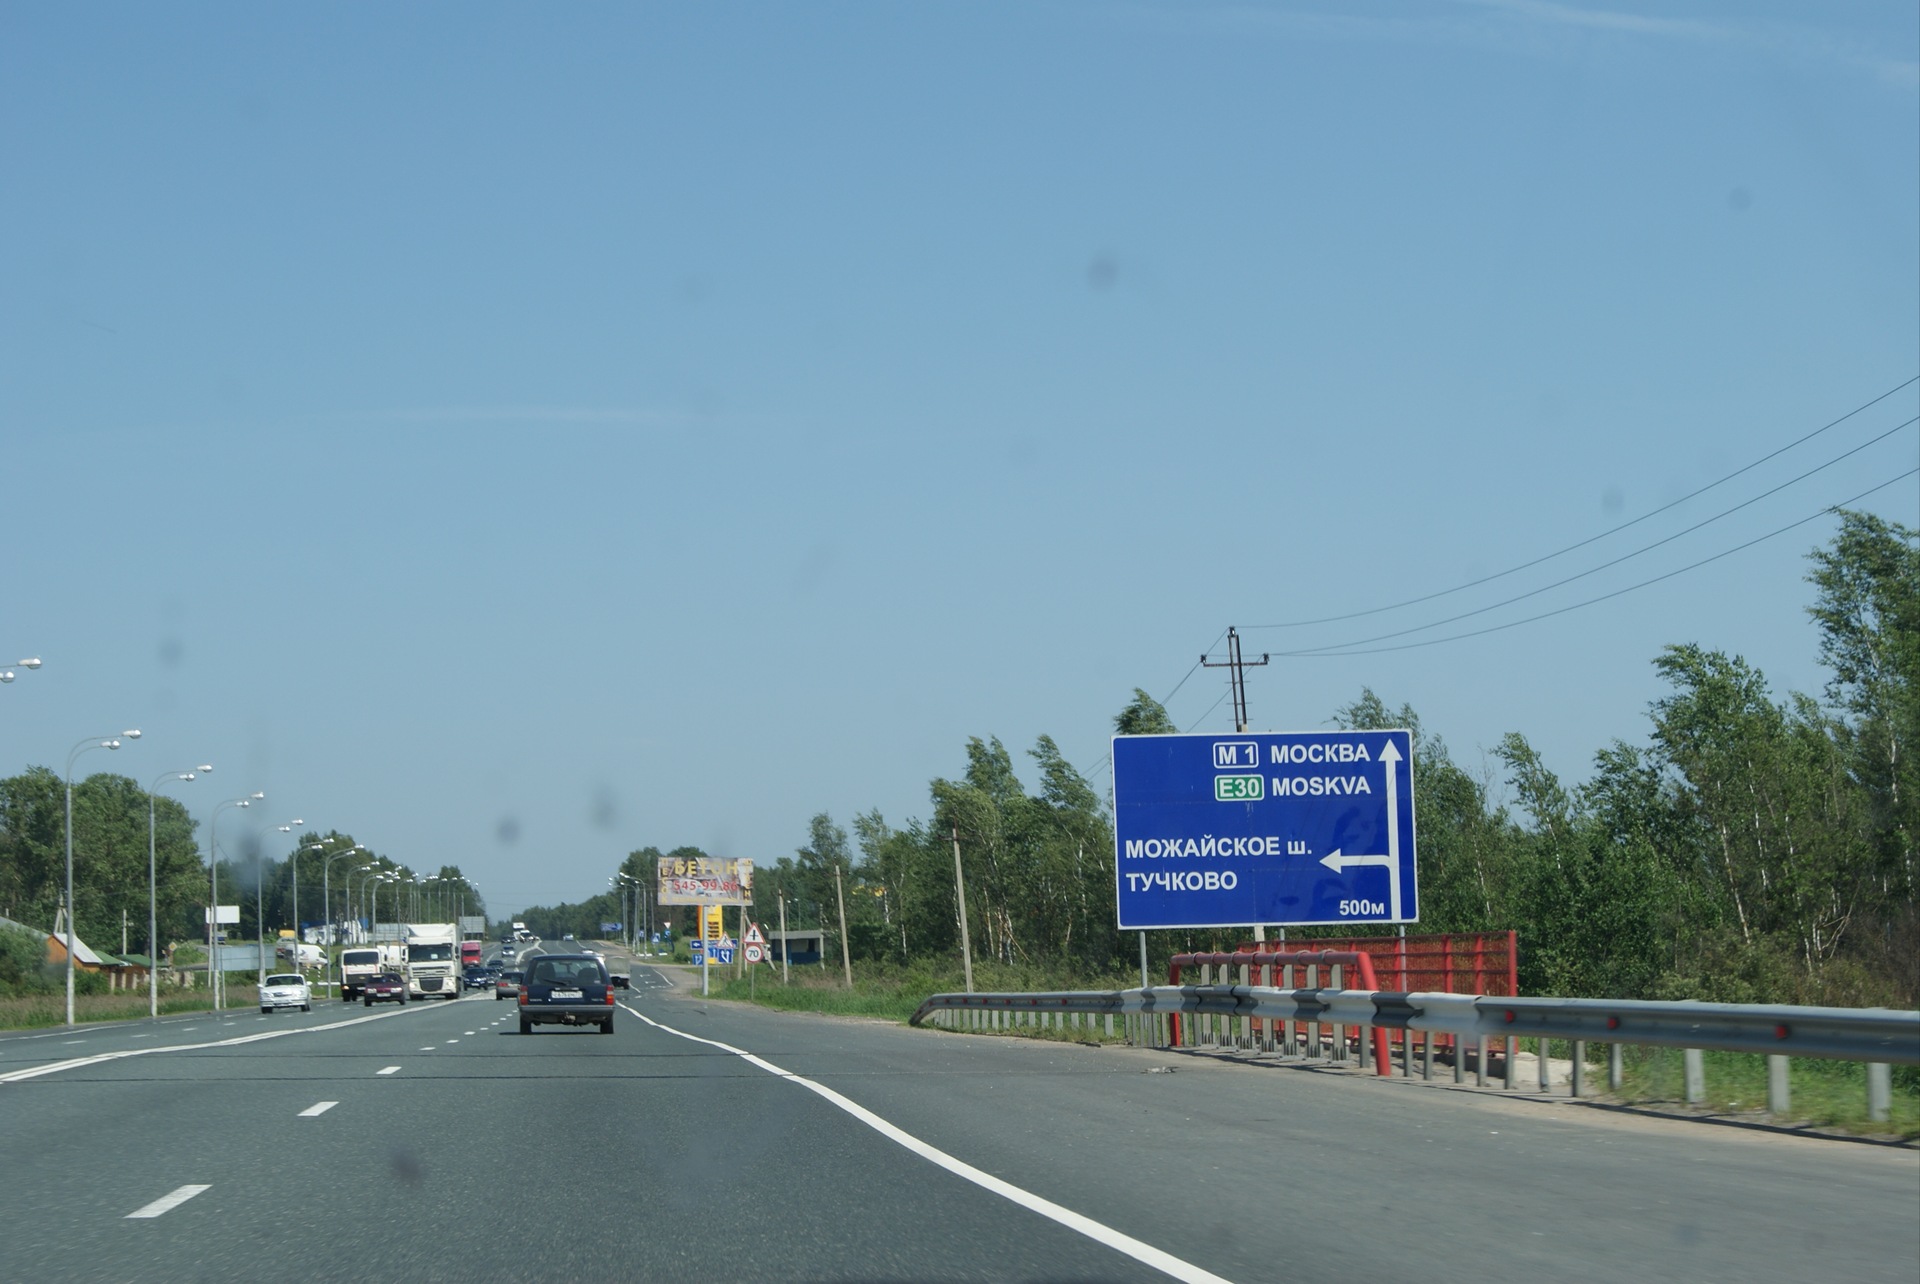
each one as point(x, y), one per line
point(1262, 967)
point(1443, 962)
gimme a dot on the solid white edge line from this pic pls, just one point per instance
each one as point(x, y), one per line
point(79, 1063)
point(317, 1109)
point(1098, 1232)
point(166, 1203)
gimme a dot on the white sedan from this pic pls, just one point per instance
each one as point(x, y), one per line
point(286, 990)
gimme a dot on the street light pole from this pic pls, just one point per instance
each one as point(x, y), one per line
point(374, 881)
point(260, 907)
point(215, 976)
point(371, 871)
point(31, 662)
point(153, 888)
point(91, 742)
point(328, 938)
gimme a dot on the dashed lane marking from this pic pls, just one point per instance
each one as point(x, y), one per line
point(317, 1109)
point(387, 1070)
point(167, 1203)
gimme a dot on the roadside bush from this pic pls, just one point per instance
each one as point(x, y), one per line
point(23, 963)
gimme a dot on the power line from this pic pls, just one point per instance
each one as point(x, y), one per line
point(1210, 708)
point(1487, 579)
point(1107, 763)
point(1645, 548)
point(1545, 615)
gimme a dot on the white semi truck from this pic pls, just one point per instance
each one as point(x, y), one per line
point(358, 965)
point(433, 960)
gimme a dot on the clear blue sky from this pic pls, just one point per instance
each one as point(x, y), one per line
point(518, 434)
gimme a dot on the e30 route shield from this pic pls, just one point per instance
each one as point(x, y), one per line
point(1285, 828)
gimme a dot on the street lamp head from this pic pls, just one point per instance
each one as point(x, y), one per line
point(31, 662)
point(6, 676)
point(109, 744)
point(184, 775)
point(296, 821)
point(258, 793)
point(132, 734)
point(204, 768)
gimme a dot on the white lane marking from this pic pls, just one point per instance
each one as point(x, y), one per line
point(167, 1203)
point(1099, 1232)
point(469, 1032)
point(68, 1043)
point(453, 1040)
point(388, 1070)
point(100, 1058)
point(190, 1029)
point(143, 1036)
point(428, 1048)
point(317, 1109)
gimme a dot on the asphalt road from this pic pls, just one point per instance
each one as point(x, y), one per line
point(705, 1140)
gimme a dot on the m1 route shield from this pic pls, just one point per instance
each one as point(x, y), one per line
point(1285, 828)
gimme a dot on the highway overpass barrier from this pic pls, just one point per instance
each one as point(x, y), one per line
point(1325, 1023)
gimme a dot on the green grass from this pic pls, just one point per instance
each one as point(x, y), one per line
point(1825, 1094)
point(39, 1011)
point(893, 994)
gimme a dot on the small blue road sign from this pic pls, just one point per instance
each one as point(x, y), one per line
point(1290, 829)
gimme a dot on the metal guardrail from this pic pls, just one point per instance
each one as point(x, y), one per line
point(1298, 1022)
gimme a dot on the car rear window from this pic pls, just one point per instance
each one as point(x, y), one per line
point(283, 980)
point(567, 972)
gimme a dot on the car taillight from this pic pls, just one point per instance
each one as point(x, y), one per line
point(523, 997)
point(609, 996)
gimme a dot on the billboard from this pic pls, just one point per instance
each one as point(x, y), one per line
point(704, 880)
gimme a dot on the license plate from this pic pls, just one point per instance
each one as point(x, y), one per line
point(566, 994)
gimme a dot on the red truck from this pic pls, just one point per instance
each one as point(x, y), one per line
point(470, 954)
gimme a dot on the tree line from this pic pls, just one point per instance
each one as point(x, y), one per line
point(1753, 847)
point(110, 872)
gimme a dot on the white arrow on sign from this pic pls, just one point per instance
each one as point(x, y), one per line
point(1335, 861)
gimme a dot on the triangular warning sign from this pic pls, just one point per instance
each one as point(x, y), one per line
point(753, 936)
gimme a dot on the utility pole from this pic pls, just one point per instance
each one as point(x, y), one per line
point(781, 894)
point(846, 959)
point(1237, 668)
point(960, 892)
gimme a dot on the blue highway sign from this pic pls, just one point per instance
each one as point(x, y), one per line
point(1286, 828)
